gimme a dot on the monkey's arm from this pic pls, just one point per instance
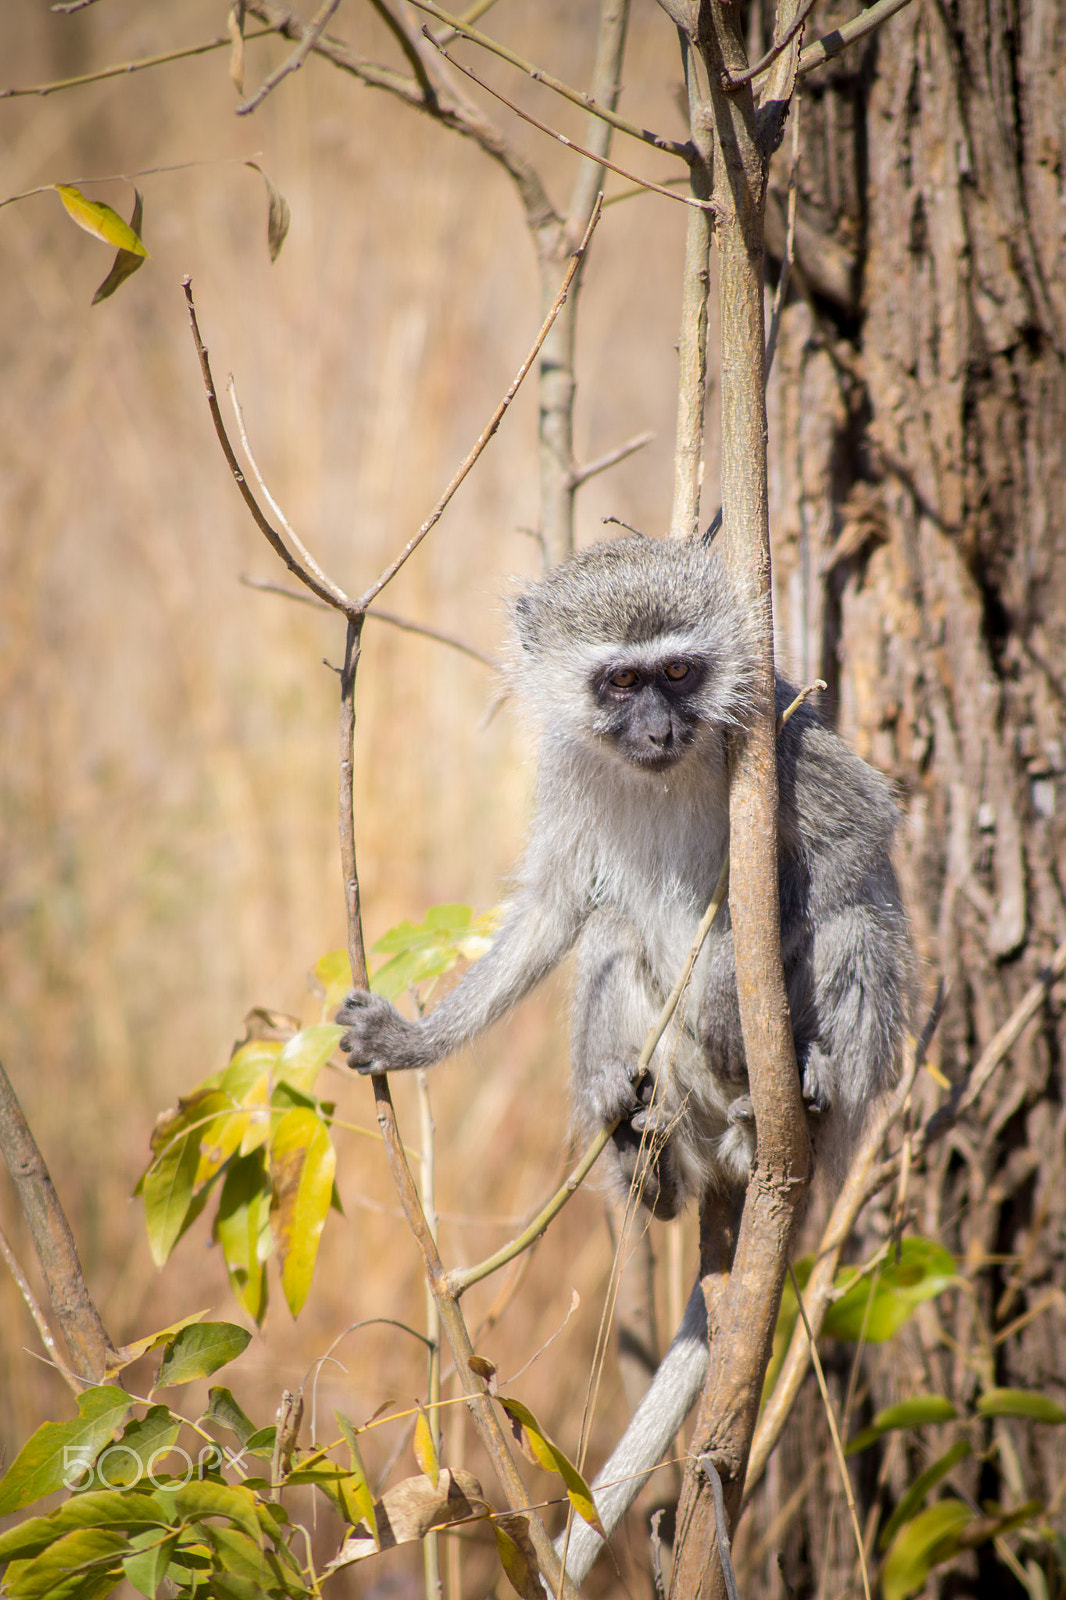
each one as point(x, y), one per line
point(648, 1439)
point(539, 928)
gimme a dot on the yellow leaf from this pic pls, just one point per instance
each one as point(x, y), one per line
point(425, 1447)
point(99, 220)
point(539, 1448)
point(302, 1162)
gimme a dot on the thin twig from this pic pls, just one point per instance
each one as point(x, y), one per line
point(838, 1448)
point(736, 80)
point(831, 44)
point(721, 1528)
point(377, 615)
point(47, 1337)
point(575, 96)
point(460, 1281)
point(570, 144)
point(327, 590)
point(121, 69)
point(493, 423)
point(292, 62)
point(302, 553)
point(611, 459)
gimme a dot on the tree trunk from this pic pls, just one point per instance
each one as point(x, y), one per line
point(918, 504)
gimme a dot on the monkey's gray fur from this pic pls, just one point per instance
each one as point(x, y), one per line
point(634, 659)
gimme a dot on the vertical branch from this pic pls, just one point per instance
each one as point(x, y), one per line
point(91, 1350)
point(346, 802)
point(559, 479)
point(744, 1310)
point(692, 344)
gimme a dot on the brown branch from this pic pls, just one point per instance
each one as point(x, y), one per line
point(121, 69)
point(582, 475)
point(561, 138)
point(586, 102)
point(292, 63)
point(33, 1306)
point(736, 80)
point(461, 115)
point(323, 587)
point(493, 423)
point(91, 1350)
point(831, 44)
point(391, 617)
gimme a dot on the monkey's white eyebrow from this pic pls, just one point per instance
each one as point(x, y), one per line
point(648, 654)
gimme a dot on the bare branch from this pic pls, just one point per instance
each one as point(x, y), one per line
point(586, 102)
point(91, 1350)
point(391, 617)
point(571, 144)
point(493, 423)
point(121, 69)
point(611, 459)
point(831, 44)
point(322, 586)
point(293, 62)
point(33, 1305)
point(736, 80)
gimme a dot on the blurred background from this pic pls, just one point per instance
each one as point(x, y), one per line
point(168, 853)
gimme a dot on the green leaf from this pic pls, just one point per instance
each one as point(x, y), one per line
point(140, 1448)
point(170, 1181)
point(247, 1068)
point(538, 1447)
point(200, 1498)
point(237, 1554)
point(1020, 1403)
point(932, 1537)
point(97, 1508)
point(918, 1490)
point(356, 1494)
point(924, 1269)
point(920, 1411)
point(302, 1163)
point(306, 1054)
point(242, 1228)
point(429, 949)
point(58, 1455)
point(331, 978)
point(147, 1567)
point(72, 1554)
point(224, 1409)
point(200, 1350)
point(126, 262)
point(99, 220)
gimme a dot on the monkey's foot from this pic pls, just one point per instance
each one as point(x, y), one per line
point(817, 1075)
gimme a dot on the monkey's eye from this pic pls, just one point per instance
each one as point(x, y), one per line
point(626, 679)
point(677, 671)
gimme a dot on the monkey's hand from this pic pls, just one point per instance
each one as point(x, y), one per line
point(378, 1039)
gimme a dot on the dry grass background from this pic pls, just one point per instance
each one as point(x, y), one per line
point(167, 776)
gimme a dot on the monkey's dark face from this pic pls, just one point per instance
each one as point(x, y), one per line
point(649, 710)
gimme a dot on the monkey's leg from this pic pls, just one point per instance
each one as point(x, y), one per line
point(614, 1006)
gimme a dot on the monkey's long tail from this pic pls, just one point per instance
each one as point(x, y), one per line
point(670, 1397)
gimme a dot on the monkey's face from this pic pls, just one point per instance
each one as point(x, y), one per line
point(648, 709)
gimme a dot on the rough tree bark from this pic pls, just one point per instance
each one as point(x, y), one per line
point(918, 498)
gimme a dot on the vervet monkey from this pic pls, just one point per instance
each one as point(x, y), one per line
point(634, 659)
